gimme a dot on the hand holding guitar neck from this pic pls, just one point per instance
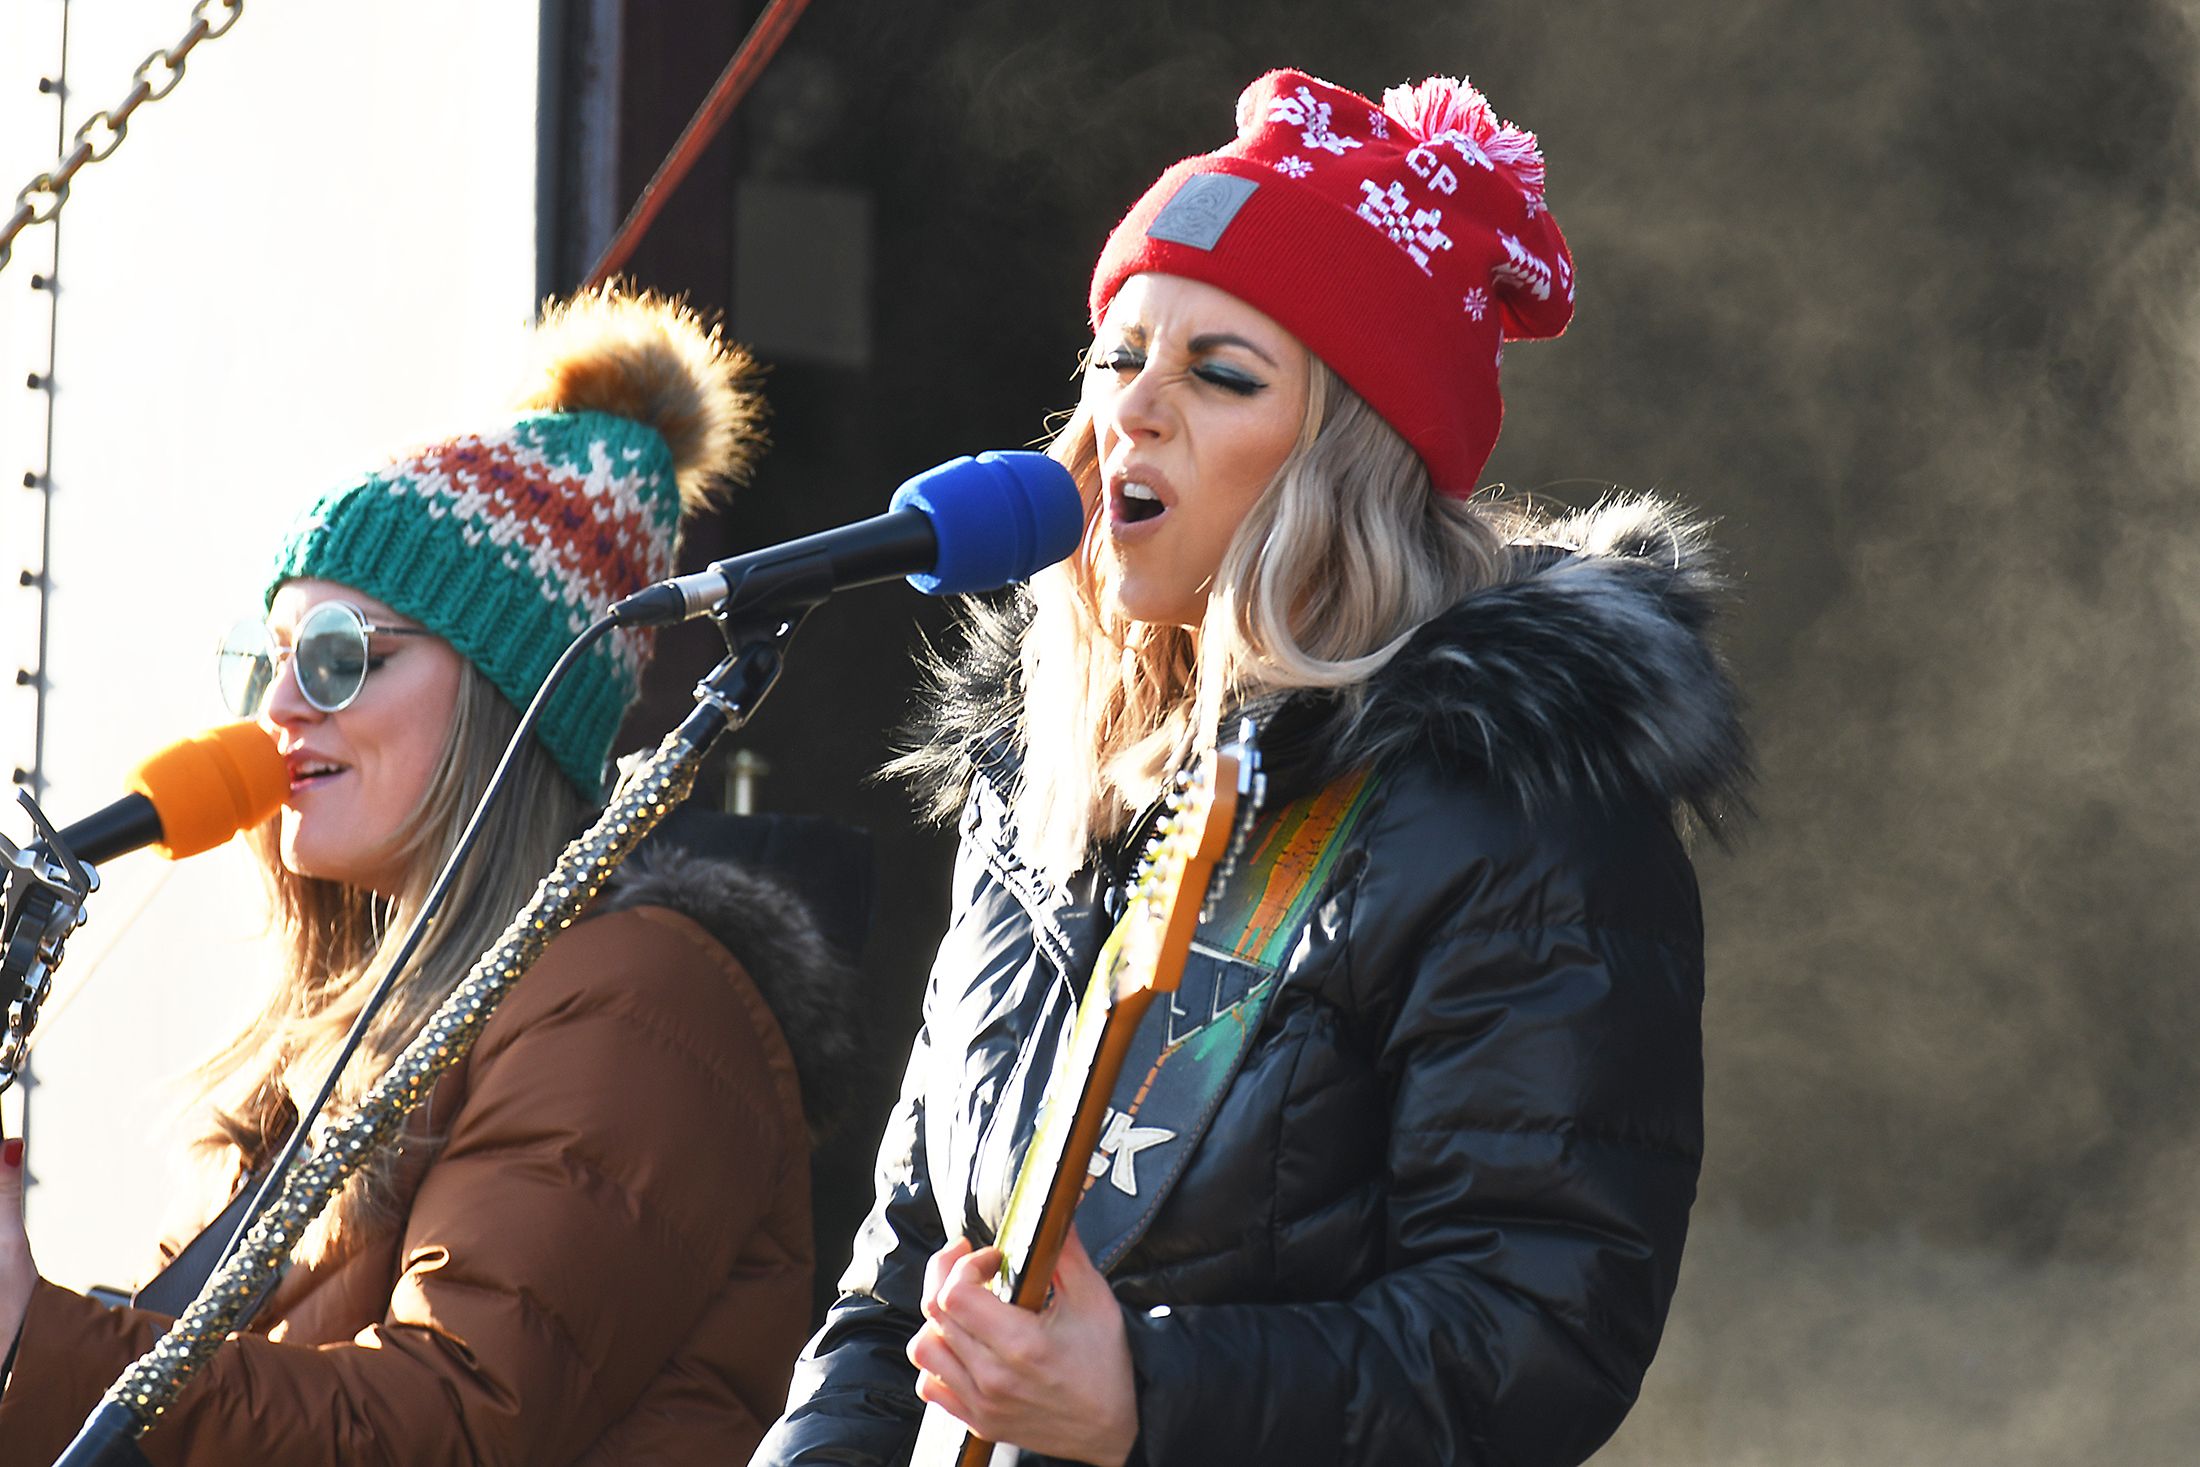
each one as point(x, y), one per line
point(1144, 956)
point(1057, 1380)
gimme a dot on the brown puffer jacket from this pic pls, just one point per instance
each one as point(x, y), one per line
point(609, 1259)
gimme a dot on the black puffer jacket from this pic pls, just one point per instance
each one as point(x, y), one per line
point(1439, 1213)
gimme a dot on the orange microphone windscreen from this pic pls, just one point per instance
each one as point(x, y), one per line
point(211, 785)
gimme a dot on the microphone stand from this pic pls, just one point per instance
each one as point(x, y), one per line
point(756, 638)
point(42, 897)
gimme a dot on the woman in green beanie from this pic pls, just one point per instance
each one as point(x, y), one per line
point(594, 1242)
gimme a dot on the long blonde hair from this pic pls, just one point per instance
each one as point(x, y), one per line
point(1342, 557)
point(335, 942)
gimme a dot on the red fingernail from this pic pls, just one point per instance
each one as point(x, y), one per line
point(11, 1152)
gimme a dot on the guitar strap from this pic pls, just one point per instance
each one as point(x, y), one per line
point(1191, 1043)
point(172, 1289)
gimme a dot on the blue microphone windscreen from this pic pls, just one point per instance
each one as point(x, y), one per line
point(999, 517)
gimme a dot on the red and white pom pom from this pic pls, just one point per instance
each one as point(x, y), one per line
point(1450, 104)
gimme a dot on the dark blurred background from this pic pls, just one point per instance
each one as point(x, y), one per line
point(1903, 294)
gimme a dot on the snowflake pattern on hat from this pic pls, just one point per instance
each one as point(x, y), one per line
point(1304, 110)
point(1522, 268)
point(1293, 167)
point(1412, 230)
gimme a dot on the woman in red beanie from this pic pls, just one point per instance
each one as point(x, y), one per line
point(1407, 1176)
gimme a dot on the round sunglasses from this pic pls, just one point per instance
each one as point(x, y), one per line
point(329, 650)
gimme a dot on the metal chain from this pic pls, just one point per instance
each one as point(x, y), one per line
point(103, 132)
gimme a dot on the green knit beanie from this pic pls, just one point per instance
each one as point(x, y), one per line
point(507, 543)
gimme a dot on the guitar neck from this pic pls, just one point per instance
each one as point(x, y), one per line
point(1033, 1273)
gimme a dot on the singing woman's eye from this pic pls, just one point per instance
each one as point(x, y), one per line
point(1119, 359)
point(1229, 379)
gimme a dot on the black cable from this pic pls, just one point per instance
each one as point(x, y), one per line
point(428, 908)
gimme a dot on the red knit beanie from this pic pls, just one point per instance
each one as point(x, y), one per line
point(1403, 245)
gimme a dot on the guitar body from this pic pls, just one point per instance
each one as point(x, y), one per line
point(1144, 956)
point(942, 1441)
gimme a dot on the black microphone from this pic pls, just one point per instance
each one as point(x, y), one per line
point(969, 525)
point(128, 824)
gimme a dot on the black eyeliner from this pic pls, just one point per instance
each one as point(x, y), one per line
point(1230, 381)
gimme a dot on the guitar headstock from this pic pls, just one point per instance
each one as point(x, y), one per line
point(1206, 811)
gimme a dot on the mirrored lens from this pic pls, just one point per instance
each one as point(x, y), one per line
point(245, 664)
point(331, 656)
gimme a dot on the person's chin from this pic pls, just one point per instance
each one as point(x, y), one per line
point(302, 862)
point(304, 854)
point(1142, 604)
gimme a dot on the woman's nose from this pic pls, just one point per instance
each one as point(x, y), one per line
point(285, 705)
point(1141, 406)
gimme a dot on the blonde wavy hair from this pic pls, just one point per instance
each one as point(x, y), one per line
point(334, 942)
point(1344, 555)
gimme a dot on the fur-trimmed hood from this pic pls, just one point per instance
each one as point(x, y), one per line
point(1588, 674)
point(809, 984)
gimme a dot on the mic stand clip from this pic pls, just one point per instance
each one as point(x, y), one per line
point(757, 618)
point(41, 904)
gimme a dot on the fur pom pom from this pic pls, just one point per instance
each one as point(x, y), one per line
point(652, 360)
point(1450, 104)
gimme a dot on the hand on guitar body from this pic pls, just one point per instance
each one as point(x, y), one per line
point(1057, 1382)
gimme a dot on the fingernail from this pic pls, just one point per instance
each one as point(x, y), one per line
point(11, 1152)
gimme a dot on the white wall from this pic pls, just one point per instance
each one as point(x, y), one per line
point(318, 250)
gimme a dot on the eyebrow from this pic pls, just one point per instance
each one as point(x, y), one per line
point(1138, 336)
point(1213, 339)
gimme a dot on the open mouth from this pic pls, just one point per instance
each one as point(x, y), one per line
point(1135, 502)
point(309, 773)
